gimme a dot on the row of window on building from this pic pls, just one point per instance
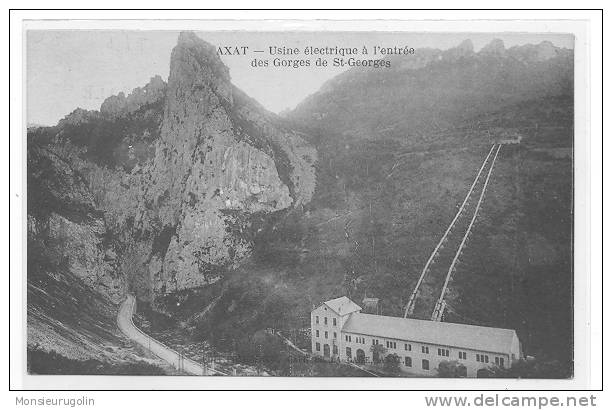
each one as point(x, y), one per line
point(481, 358)
point(334, 348)
point(391, 345)
point(334, 322)
point(444, 352)
point(499, 361)
point(424, 363)
point(326, 333)
point(407, 359)
point(358, 339)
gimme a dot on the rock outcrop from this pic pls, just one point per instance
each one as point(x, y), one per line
point(176, 170)
point(495, 47)
point(216, 155)
point(64, 228)
point(120, 106)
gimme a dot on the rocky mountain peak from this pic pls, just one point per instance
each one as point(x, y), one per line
point(466, 45)
point(120, 105)
point(546, 50)
point(195, 63)
point(543, 51)
point(465, 49)
point(495, 47)
point(219, 154)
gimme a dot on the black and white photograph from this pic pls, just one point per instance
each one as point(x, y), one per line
point(267, 203)
point(300, 204)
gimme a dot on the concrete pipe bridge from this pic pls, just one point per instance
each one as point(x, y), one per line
point(427, 300)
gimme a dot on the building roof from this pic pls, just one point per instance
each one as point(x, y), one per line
point(486, 339)
point(342, 305)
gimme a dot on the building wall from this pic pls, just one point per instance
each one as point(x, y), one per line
point(403, 348)
point(414, 350)
point(516, 351)
point(333, 331)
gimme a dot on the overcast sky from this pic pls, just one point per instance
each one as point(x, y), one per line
point(70, 69)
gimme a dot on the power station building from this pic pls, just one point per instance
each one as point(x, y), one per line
point(341, 332)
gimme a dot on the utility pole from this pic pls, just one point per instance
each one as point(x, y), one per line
point(259, 359)
point(234, 355)
point(181, 359)
point(203, 361)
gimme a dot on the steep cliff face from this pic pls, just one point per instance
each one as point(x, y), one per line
point(175, 171)
point(73, 280)
point(216, 157)
point(65, 226)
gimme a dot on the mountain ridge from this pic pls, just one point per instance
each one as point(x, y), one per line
point(486, 81)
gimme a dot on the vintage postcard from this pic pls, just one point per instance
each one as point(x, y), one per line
point(300, 203)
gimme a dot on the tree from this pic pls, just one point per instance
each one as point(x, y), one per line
point(351, 277)
point(451, 369)
point(378, 351)
point(392, 363)
point(534, 369)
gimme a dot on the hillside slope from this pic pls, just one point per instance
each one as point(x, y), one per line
point(152, 193)
point(397, 152)
point(73, 281)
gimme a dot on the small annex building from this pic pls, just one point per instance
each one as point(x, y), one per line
point(341, 332)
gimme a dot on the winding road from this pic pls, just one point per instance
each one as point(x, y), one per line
point(180, 362)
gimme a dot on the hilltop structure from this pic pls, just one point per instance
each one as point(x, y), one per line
point(341, 332)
